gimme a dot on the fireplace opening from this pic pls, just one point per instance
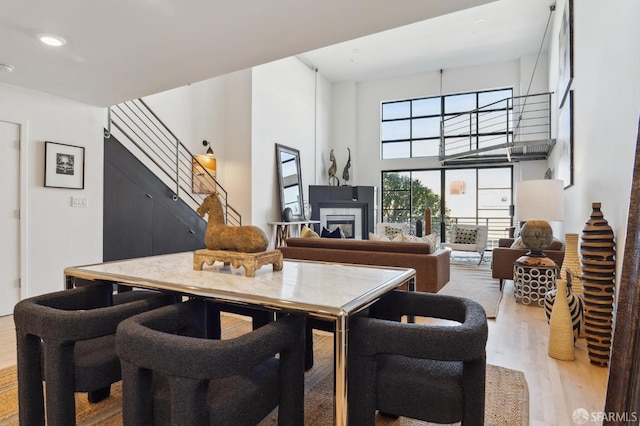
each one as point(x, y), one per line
point(345, 223)
point(349, 219)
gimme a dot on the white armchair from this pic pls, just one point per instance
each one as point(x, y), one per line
point(468, 238)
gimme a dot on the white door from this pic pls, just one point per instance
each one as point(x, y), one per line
point(9, 217)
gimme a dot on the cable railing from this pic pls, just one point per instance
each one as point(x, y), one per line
point(512, 129)
point(153, 143)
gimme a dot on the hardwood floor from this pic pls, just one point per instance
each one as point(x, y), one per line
point(517, 339)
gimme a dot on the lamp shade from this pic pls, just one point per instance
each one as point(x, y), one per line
point(539, 200)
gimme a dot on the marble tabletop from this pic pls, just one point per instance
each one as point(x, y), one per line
point(324, 289)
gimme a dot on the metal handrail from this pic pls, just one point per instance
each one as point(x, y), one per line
point(163, 153)
point(502, 124)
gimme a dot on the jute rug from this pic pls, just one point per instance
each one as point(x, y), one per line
point(507, 397)
point(473, 281)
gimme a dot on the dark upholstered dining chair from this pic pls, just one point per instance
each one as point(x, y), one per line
point(67, 339)
point(173, 374)
point(433, 372)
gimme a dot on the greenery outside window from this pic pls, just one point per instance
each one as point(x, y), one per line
point(472, 195)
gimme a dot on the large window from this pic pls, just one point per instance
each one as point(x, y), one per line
point(411, 128)
point(478, 195)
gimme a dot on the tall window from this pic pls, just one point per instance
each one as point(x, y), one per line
point(475, 195)
point(411, 128)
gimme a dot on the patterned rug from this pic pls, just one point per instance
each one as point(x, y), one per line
point(473, 281)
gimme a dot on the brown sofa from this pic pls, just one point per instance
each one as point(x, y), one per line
point(503, 257)
point(432, 269)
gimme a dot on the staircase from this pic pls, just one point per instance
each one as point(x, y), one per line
point(510, 130)
point(143, 133)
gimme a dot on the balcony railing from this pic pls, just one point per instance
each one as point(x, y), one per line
point(512, 129)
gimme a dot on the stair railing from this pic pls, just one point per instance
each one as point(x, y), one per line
point(497, 127)
point(153, 143)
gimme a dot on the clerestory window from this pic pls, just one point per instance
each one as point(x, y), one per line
point(411, 128)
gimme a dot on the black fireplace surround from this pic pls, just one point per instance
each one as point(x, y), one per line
point(349, 199)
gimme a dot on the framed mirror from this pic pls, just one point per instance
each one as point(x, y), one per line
point(290, 180)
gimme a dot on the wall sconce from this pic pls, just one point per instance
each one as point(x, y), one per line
point(204, 171)
point(457, 187)
point(207, 160)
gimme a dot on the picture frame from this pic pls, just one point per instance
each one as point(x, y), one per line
point(63, 166)
point(565, 49)
point(565, 142)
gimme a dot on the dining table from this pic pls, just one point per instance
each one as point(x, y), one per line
point(331, 291)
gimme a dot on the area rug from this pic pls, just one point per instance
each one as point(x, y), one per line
point(473, 281)
point(507, 397)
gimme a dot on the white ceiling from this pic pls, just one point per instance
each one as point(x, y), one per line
point(119, 50)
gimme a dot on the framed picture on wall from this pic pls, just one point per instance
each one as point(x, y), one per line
point(63, 166)
point(565, 142)
point(565, 48)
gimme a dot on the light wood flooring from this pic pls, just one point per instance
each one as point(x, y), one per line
point(517, 339)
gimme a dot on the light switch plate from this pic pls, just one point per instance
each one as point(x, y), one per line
point(78, 202)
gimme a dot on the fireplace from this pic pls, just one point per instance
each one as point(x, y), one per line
point(352, 208)
point(348, 219)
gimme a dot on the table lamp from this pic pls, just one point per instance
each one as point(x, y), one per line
point(537, 203)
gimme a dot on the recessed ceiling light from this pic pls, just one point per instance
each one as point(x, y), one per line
point(52, 40)
point(6, 67)
point(479, 21)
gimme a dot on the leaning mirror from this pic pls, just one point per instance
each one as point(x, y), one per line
point(290, 180)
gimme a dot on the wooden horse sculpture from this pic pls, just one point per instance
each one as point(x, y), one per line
point(219, 236)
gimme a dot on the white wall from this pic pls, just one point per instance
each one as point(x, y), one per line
point(606, 109)
point(194, 113)
point(356, 112)
point(284, 111)
point(58, 234)
point(237, 143)
point(244, 114)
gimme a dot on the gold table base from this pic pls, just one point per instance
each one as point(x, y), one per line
point(250, 261)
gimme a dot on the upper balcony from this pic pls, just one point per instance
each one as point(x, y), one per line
point(512, 129)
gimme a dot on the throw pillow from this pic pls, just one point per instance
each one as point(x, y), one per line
point(307, 232)
point(374, 237)
point(518, 244)
point(392, 231)
point(330, 234)
point(432, 240)
point(465, 236)
point(411, 238)
point(398, 238)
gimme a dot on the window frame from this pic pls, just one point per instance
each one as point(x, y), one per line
point(474, 134)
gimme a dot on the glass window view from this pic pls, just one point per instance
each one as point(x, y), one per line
point(412, 128)
point(469, 196)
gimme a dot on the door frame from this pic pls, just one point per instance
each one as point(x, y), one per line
point(23, 189)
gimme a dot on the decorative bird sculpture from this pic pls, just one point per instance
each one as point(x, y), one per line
point(345, 172)
point(333, 169)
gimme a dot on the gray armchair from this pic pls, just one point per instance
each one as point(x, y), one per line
point(67, 339)
point(173, 374)
point(434, 373)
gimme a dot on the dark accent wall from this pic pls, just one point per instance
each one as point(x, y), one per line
point(140, 216)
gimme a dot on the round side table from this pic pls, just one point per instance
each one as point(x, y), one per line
point(532, 278)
